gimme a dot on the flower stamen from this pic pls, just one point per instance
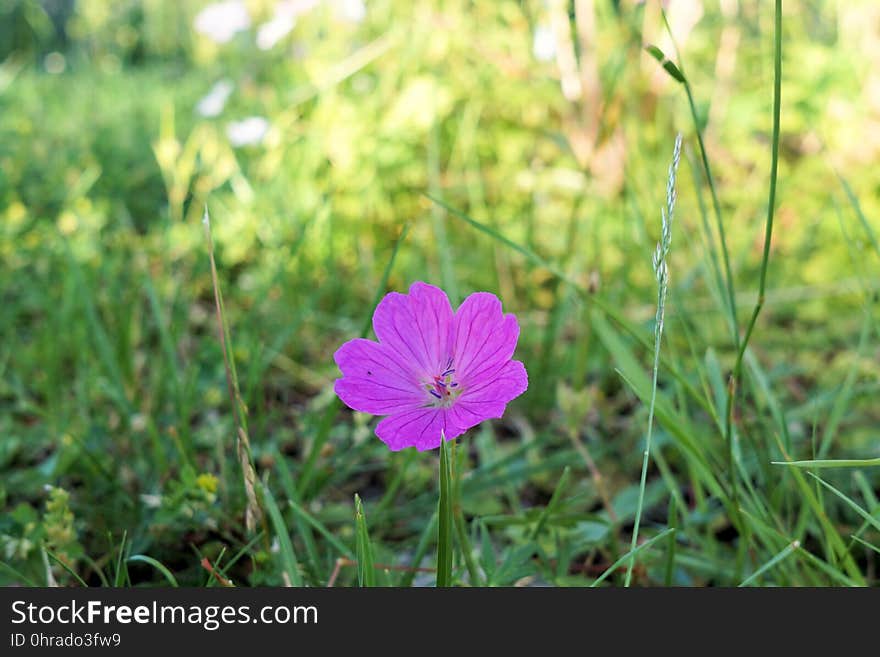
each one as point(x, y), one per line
point(440, 386)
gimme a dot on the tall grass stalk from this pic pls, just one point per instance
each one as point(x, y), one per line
point(661, 272)
point(253, 511)
point(736, 375)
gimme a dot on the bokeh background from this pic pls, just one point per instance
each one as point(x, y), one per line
point(316, 132)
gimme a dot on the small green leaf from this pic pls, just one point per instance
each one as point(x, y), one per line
point(517, 563)
point(672, 69)
point(667, 64)
point(655, 52)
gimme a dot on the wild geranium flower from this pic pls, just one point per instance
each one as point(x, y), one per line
point(432, 372)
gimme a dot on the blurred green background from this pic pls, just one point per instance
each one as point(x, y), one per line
point(315, 131)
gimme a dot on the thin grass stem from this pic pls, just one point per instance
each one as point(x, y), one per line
point(661, 271)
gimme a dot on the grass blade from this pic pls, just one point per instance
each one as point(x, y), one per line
point(445, 526)
point(855, 507)
point(854, 201)
point(253, 512)
point(121, 574)
point(629, 555)
point(142, 558)
point(834, 573)
point(64, 565)
point(461, 533)
point(245, 549)
point(736, 375)
point(365, 566)
point(290, 567)
point(831, 463)
point(421, 550)
point(836, 547)
point(24, 579)
point(311, 561)
point(791, 547)
point(671, 521)
point(321, 529)
point(551, 505)
point(870, 546)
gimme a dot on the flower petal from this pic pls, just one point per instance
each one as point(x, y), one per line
point(417, 326)
point(484, 339)
point(420, 428)
point(489, 399)
point(375, 380)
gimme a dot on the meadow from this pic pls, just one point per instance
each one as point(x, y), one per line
point(201, 202)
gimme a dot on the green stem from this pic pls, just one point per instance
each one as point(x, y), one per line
point(445, 526)
point(768, 234)
point(645, 455)
point(662, 274)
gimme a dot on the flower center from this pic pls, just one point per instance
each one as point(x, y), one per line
point(443, 386)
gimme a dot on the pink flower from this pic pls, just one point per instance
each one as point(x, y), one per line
point(432, 371)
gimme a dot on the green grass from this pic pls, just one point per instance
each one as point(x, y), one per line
point(166, 404)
